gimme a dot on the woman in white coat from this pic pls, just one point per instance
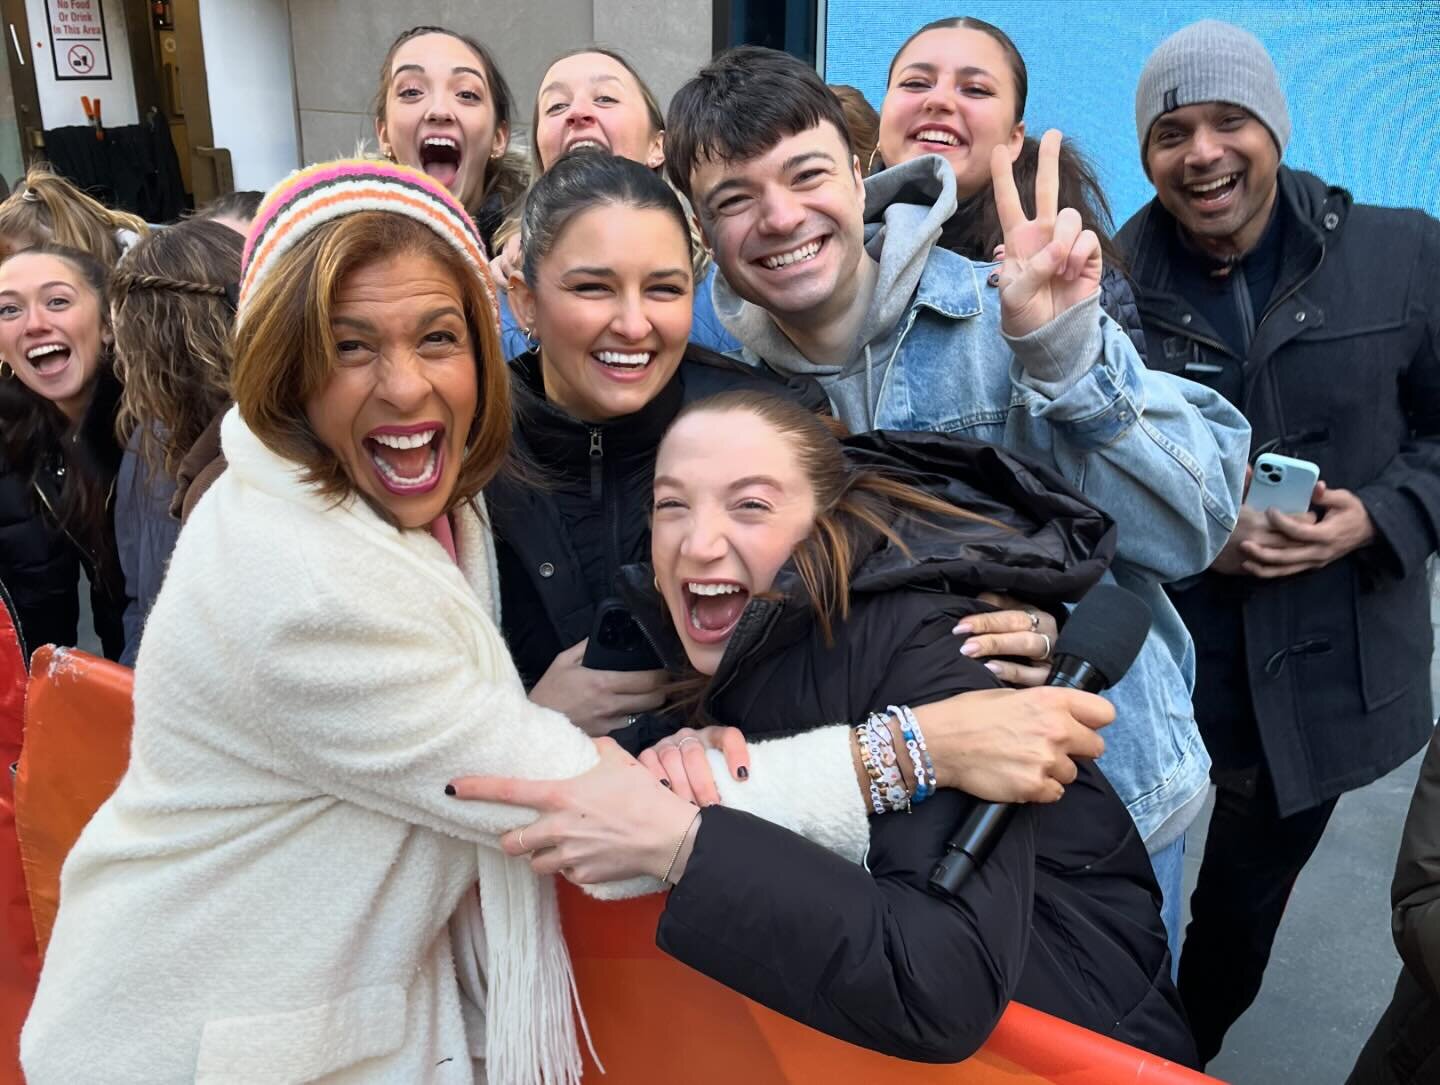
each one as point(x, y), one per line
point(268, 895)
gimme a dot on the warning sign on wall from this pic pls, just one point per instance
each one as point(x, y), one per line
point(77, 39)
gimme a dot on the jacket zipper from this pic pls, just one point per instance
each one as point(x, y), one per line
point(608, 510)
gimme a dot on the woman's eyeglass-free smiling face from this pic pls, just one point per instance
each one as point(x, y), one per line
point(611, 307)
point(52, 331)
point(731, 505)
point(401, 398)
point(440, 114)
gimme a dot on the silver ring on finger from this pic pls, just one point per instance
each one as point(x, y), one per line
point(522, 841)
point(1046, 638)
point(688, 738)
point(1034, 616)
point(632, 719)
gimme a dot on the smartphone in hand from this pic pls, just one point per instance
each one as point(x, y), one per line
point(617, 643)
point(1282, 483)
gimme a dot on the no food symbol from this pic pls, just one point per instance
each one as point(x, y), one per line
point(80, 58)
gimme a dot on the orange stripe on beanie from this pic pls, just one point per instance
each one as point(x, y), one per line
point(311, 197)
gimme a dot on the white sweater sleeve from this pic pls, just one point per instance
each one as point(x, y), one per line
point(382, 705)
point(805, 783)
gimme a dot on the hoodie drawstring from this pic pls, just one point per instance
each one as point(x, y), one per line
point(869, 391)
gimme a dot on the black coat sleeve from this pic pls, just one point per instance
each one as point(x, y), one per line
point(1416, 890)
point(867, 955)
point(1404, 500)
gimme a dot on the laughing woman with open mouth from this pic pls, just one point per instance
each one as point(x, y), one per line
point(268, 894)
point(443, 107)
point(58, 453)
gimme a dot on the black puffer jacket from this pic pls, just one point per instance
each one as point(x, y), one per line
point(1342, 368)
point(40, 560)
point(561, 541)
point(1063, 916)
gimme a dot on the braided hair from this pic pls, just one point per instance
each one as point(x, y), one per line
point(172, 302)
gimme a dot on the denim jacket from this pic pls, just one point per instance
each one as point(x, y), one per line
point(1163, 456)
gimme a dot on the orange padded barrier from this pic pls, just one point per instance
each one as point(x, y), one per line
point(709, 1035)
point(19, 966)
point(654, 1021)
point(77, 744)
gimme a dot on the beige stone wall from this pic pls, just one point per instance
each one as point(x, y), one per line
point(338, 45)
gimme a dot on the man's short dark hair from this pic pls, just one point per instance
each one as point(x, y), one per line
point(742, 104)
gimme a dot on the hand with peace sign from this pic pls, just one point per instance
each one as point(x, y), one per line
point(1051, 261)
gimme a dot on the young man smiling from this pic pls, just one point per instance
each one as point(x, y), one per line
point(836, 278)
point(1319, 317)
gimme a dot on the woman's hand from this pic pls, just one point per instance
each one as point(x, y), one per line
point(1015, 629)
point(597, 702)
point(1013, 745)
point(678, 761)
point(506, 263)
point(614, 821)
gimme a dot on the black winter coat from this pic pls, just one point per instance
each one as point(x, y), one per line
point(1343, 368)
point(1405, 1046)
point(1064, 915)
point(560, 540)
point(41, 561)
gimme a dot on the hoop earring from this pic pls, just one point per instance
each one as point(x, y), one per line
point(870, 166)
point(532, 345)
point(6, 371)
point(388, 152)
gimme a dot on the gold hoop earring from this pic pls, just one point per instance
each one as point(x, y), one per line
point(388, 152)
point(870, 166)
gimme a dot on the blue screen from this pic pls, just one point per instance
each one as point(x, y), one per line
point(1362, 80)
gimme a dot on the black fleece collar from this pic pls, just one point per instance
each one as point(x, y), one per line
point(562, 443)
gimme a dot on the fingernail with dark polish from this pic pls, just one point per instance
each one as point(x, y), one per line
point(449, 789)
point(743, 772)
point(665, 782)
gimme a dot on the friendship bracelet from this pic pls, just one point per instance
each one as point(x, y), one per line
point(675, 858)
point(926, 782)
point(932, 783)
point(867, 759)
point(892, 783)
point(897, 794)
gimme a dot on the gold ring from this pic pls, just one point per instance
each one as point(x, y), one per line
point(1048, 646)
point(522, 841)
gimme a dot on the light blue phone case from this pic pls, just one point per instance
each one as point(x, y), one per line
point(1282, 482)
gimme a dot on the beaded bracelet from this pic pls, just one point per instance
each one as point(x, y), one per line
point(920, 759)
point(882, 747)
point(872, 769)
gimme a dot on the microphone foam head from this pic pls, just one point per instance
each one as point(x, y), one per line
point(1106, 629)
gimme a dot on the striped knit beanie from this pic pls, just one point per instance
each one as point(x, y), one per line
point(318, 194)
point(1211, 61)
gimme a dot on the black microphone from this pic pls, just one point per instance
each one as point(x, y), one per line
point(1095, 649)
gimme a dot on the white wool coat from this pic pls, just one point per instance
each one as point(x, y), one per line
point(265, 897)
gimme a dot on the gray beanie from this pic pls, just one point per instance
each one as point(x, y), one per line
point(1211, 61)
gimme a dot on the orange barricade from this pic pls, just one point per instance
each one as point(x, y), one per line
point(19, 965)
point(654, 1021)
point(77, 744)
